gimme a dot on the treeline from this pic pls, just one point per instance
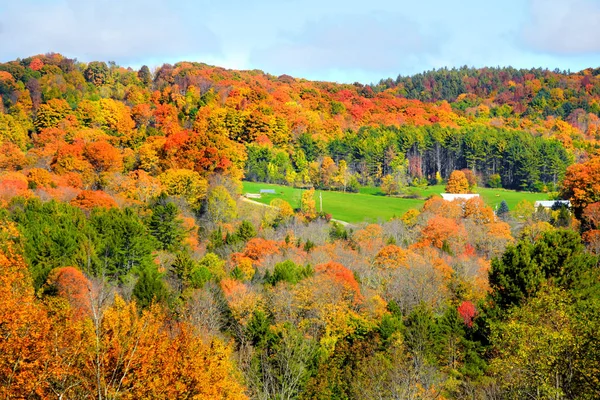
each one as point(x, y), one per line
point(512, 159)
point(526, 92)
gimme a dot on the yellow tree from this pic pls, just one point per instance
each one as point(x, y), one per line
point(308, 204)
point(457, 183)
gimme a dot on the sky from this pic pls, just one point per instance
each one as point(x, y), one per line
point(334, 40)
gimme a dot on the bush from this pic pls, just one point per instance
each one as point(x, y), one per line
point(494, 181)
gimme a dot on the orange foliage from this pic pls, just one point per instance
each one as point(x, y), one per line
point(40, 178)
point(441, 231)
point(89, 199)
point(478, 211)
point(13, 184)
point(592, 241)
point(257, 249)
point(582, 183)
point(11, 157)
point(390, 256)
point(103, 157)
point(36, 64)
point(443, 208)
point(457, 183)
point(370, 238)
point(339, 274)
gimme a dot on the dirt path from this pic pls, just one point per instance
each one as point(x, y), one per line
point(247, 200)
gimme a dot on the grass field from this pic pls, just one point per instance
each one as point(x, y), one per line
point(371, 205)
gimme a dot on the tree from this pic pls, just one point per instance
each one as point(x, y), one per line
point(581, 184)
point(96, 73)
point(125, 243)
point(71, 284)
point(557, 256)
point(165, 225)
point(103, 157)
point(145, 75)
point(307, 204)
point(185, 183)
point(536, 349)
point(220, 206)
point(457, 183)
point(149, 288)
point(503, 210)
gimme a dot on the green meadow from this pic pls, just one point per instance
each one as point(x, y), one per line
point(372, 206)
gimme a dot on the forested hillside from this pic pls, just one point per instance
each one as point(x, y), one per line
point(130, 267)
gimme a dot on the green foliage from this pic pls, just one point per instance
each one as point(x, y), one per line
point(55, 235)
point(199, 276)
point(494, 181)
point(337, 231)
point(502, 209)
point(183, 266)
point(420, 333)
point(289, 272)
point(246, 231)
point(149, 288)
point(389, 325)
point(557, 256)
point(165, 225)
point(213, 264)
point(125, 242)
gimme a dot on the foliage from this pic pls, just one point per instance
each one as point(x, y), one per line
point(457, 183)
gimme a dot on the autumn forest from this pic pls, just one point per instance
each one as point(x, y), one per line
point(132, 265)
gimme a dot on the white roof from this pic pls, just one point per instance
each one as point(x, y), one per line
point(551, 203)
point(456, 196)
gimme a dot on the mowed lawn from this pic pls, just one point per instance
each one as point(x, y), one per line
point(370, 205)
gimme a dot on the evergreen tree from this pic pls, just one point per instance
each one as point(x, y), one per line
point(502, 210)
point(149, 288)
point(165, 225)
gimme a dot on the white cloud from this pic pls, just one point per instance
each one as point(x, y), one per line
point(566, 27)
point(119, 30)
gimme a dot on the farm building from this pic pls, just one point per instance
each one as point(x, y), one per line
point(458, 196)
point(552, 203)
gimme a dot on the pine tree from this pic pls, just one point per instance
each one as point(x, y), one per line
point(166, 226)
point(502, 210)
point(149, 288)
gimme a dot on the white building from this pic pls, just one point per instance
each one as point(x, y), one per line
point(552, 203)
point(458, 196)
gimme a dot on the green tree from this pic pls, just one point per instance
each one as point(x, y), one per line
point(149, 288)
point(165, 225)
point(503, 210)
point(145, 75)
point(125, 242)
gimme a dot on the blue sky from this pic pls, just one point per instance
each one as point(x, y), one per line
point(336, 40)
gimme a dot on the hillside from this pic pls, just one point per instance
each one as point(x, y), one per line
point(286, 130)
point(131, 268)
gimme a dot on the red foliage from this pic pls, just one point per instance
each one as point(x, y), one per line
point(73, 285)
point(467, 312)
point(340, 274)
point(89, 199)
point(36, 64)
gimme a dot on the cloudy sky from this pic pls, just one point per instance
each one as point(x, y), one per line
point(339, 40)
